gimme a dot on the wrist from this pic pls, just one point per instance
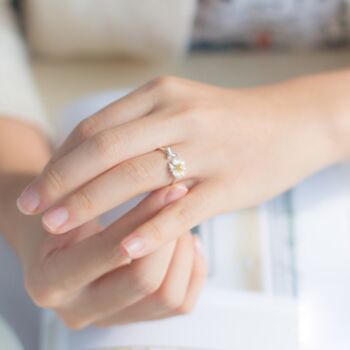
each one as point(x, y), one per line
point(319, 114)
point(328, 97)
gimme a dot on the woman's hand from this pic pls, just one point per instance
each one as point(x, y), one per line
point(241, 147)
point(85, 279)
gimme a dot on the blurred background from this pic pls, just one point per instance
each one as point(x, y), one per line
point(277, 250)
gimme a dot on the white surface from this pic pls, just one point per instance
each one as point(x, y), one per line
point(323, 239)
point(222, 320)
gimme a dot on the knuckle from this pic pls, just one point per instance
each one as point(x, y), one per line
point(73, 323)
point(86, 128)
point(44, 296)
point(135, 172)
point(193, 116)
point(83, 200)
point(184, 216)
point(108, 250)
point(72, 317)
point(108, 144)
point(31, 285)
point(192, 110)
point(155, 231)
point(54, 179)
point(143, 284)
point(169, 301)
point(41, 291)
point(187, 214)
point(164, 82)
point(185, 308)
point(202, 272)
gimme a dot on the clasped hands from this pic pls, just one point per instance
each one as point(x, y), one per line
point(147, 265)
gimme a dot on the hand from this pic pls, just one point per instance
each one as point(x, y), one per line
point(242, 147)
point(82, 276)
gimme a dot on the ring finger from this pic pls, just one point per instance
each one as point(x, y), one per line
point(114, 187)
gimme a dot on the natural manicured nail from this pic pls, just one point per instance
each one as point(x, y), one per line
point(28, 201)
point(175, 192)
point(134, 246)
point(55, 218)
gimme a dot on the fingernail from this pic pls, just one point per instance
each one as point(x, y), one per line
point(199, 246)
point(134, 246)
point(175, 192)
point(55, 218)
point(28, 201)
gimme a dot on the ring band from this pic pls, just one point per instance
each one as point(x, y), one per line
point(176, 165)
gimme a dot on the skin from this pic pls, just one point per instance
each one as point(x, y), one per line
point(242, 147)
point(234, 142)
point(81, 275)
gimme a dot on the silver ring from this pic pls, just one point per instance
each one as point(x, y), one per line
point(176, 165)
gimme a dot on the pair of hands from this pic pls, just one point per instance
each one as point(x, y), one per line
point(241, 148)
point(83, 276)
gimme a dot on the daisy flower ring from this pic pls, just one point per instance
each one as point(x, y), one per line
point(176, 165)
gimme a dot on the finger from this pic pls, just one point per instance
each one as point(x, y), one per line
point(52, 244)
point(114, 187)
point(199, 204)
point(139, 103)
point(197, 280)
point(119, 289)
point(195, 285)
point(68, 270)
point(169, 297)
point(97, 155)
point(136, 104)
point(75, 236)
